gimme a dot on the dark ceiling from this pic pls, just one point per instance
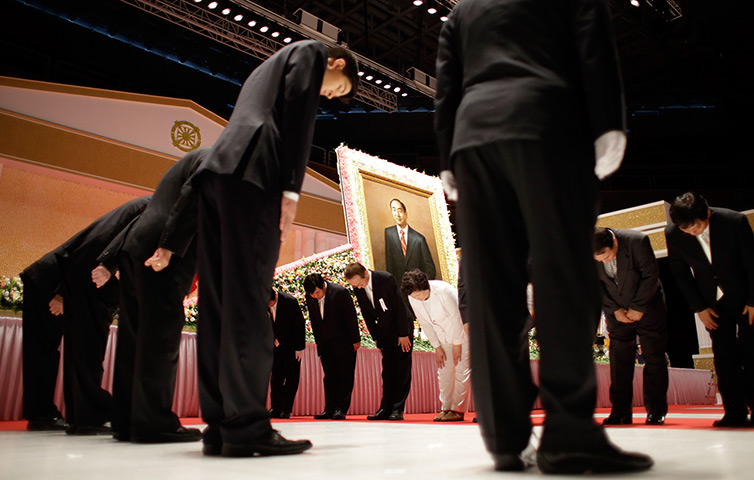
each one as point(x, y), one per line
point(687, 80)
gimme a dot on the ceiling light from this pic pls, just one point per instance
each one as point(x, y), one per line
point(369, 77)
point(275, 34)
point(387, 86)
point(431, 10)
point(418, 3)
point(287, 39)
point(238, 17)
point(444, 18)
point(212, 5)
point(252, 23)
point(226, 11)
point(264, 29)
point(397, 89)
point(197, 1)
point(378, 81)
point(635, 3)
point(404, 94)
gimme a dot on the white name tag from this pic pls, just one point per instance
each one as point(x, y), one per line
point(382, 303)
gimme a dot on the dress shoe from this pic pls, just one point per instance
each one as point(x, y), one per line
point(122, 436)
point(380, 414)
point(103, 429)
point(338, 415)
point(271, 443)
point(452, 416)
point(180, 434)
point(323, 416)
point(212, 442)
point(440, 416)
point(608, 459)
point(46, 424)
point(508, 462)
point(653, 419)
point(396, 416)
point(283, 414)
point(727, 422)
point(611, 420)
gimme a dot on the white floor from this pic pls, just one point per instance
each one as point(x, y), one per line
point(357, 450)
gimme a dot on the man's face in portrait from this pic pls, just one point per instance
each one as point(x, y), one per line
point(399, 213)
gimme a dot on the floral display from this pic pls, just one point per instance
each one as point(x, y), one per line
point(11, 293)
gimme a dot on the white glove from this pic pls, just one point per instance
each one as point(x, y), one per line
point(608, 151)
point(449, 185)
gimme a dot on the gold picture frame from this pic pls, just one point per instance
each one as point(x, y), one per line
point(368, 184)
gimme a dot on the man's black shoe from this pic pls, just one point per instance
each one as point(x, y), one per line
point(727, 422)
point(270, 444)
point(338, 415)
point(611, 420)
point(653, 419)
point(74, 429)
point(275, 413)
point(608, 459)
point(283, 414)
point(212, 442)
point(121, 436)
point(46, 424)
point(396, 416)
point(380, 414)
point(180, 434)
point(508, 462)
point(323, 416)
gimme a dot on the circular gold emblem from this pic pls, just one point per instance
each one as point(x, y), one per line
point(185, 136)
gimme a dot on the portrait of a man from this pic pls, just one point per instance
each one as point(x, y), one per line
point(405, 248)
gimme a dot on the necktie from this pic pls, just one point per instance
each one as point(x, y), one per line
point(705, 241)
point(611, 269)
point(403, 242)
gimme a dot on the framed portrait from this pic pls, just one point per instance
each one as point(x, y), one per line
point(397, 218)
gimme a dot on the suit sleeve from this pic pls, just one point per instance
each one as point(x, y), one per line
point(683, 277)
point(362, 298)
point(181, 224)
point(426, 325)
point(109, 255)
point(428, 265)
point(745, 243)
point(449, 93)
point(311, 306)
point(401, 314)
point(598, 62)
point(351, 321)
point(298, 325)
point(609, 306)
point(650, 275)
point(450, 302)
point(302, 83)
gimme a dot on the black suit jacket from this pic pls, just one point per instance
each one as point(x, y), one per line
point(388, 318)
point(732, 267)
point(44, 273)
point(290, 330)
point(417, 254)
point(637, 284)
point(339, 330)
point(505, 71)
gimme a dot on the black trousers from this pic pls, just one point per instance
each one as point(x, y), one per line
point(733, 347)
point(87, 327)
point(286, 371)
point(42, 333)
point(339, 367)
point(396, 378)
point(519, 199)
point(149, 335)
point(239, 242)
point(652, 330)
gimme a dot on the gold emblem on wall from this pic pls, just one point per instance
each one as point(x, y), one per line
point(185, 136)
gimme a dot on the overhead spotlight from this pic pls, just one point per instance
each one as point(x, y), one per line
point(252, 23)
point(635, 3)
point(238, 17)
point(275, 34)
point(226, 11)
point(287, 40)
point(444, 18)
point(361, 74)
point(397, 89)
point(387, 86)
point(378, 81)
point(431, 10)
point(369, 77)
point(197, 1)
point(404, 94)
point(264, 29)
point(418, 3)
point(212, 5)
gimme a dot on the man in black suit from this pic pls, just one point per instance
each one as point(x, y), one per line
point(405, 248)
point(528, 97)
point(336, 332)
point(247, 191)
point(290, 342)
point(390, 326)
point(43, 323)
point(711, 256)
point(151, 314)
point(634, 304)
point(88, 317)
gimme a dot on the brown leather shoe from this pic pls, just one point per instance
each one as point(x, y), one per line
point(452, 416)
point(439, 417)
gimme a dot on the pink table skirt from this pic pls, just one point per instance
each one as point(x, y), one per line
point(687, 386)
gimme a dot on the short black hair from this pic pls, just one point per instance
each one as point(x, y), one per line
point(396, 200)
point(355, 269)
point(686, 209)
point(603, 239)
point(351, 70)
point(312, 282)
point(414, 281)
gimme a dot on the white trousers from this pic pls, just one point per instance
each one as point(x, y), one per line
point(454, 379)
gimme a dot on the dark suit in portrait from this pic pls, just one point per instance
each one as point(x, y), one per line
point(41, 342)
point(151, 314)
point(524, 88)
point(290, 337)
point(387, 319)
point(732, 270)
point(636, 286)
point(335, 334)
point(417, 253)
point(88, 315)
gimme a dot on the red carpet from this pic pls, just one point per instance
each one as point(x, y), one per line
point(697, 417)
